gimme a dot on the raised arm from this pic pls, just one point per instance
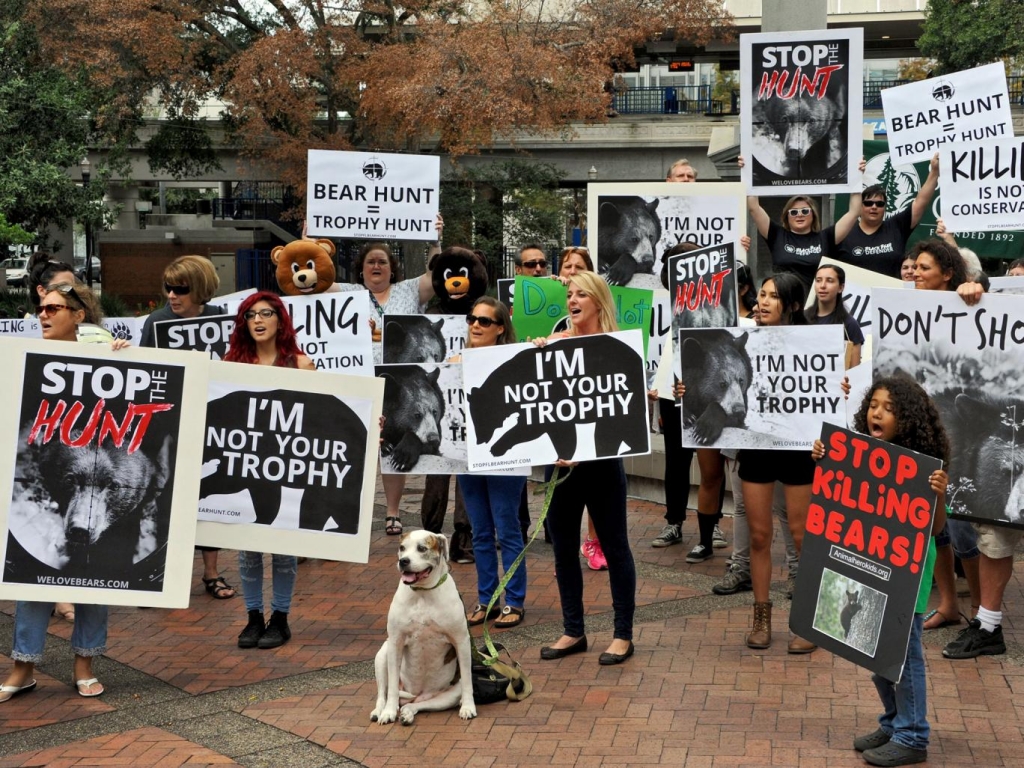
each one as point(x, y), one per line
point(927, 192)
point(848, 220)
point(759, 215)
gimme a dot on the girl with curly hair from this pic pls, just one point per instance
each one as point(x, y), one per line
point(898, 410)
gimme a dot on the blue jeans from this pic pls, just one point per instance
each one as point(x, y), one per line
point(905, 717)
point(492, 503)
point(600, 486)
point(250, 568)
point(31, 619)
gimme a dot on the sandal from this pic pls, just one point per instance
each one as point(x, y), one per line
point(393, 526)
point(82, 685)
point(65, 610)
point(217, 587)
point(510, 617)
point(479, 615)
point(944, 623)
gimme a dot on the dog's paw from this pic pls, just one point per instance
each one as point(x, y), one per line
point(375, 715)
point(407, 715)
point(467, 711)
point(387, 715)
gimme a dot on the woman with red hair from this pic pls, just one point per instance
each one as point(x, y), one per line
point(264, 335)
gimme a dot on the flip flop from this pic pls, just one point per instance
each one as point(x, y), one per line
point(8, 692)
point(944, 623)
point(217, 587)
point(83, 684)
point(510, 617)
point(393, 526)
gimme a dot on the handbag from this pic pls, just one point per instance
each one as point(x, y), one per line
point(498, 681)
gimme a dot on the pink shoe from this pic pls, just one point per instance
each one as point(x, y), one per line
point(592, 551)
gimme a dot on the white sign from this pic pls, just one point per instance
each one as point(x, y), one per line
point(962, 107)
point(372, 195)
point(983, 186)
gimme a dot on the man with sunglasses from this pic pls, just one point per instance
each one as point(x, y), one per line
point(531, 261)
point(877, 242)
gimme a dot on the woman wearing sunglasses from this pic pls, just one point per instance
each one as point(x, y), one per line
point(492, 501)
point(63, 308)
point(264, 335)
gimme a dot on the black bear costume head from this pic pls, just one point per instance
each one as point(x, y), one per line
point(459, 276)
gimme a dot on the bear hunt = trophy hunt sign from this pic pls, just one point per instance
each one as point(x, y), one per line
point(422, 338)
point(579, 398)
point(801, 105)
point(289, 461)
point(764, 387)
point(542, 308)
point(372, 195)
point(331, 329)
point(956, 108)
point(970, 360)
point(637, 223)
point(983, 185)
point(100, 471)
point(865, 549)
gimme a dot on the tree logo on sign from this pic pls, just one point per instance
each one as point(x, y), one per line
point(374, 169)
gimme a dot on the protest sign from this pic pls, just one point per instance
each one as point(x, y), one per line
point(1012, 285)
point(661, 327)
point(126, 328)
point(800, 114)
point(21, 328)
point(637, 223)
point(765, 387)
point(579, 398)
point(983, 185)
point(101, 472)
point(203, 334)
point(960, 107)
point(864, 550)
point(422, 338)
point(971, 361)
point(289, 462)
point(702, 286)
point(506, 291)
point(424, 419)
point(860, 377)
point(372, 195)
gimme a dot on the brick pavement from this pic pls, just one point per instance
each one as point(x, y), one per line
point(181, 693)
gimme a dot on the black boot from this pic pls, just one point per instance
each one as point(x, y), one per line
point(277, 632)
point(253, 631)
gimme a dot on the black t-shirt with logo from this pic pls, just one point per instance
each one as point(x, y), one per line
point(882, 251)
point(795, 253)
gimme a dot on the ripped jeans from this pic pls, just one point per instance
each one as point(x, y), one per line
point(250, 568)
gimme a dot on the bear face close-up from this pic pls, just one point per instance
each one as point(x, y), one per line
point(627, 236)
point(716, 395)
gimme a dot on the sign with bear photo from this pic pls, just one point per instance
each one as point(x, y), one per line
point(289, 462)
point(865, 548)
point(424, 419)
point(765, 387)
point(209, 334)
point(800, 111)
point(1012, 285)
point(579, 398)
point(422, 338)
point(971, 361)
point(637, 223)
point(702, 285)
point(100, 472)
point(372, 195)
point(984, 185)
point(331, 329)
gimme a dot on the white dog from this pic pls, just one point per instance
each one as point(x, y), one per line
point(427, 636)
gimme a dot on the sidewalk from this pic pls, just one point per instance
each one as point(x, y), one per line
point(179, 691)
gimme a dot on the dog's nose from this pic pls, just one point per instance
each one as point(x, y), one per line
point(77, 536)
point(404, 562)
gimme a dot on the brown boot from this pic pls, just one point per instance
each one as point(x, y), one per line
point(761, 635)
point(797, 644)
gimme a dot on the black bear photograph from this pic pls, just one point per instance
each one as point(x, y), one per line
point(718, 376)
point(627, 237)
point(414, 339)
point(849, 611)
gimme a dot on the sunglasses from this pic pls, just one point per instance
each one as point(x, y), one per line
point(542, 263)
point(45, 310)
point(266, 314)
point(874, 203)
point(798, 211)
point(178, 290)
point(485, 322)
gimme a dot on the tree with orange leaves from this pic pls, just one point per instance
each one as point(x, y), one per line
point(430, 75)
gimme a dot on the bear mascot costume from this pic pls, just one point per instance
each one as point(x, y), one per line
point(304, 267)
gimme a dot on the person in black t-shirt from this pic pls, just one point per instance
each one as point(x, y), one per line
point(878, 243)
point(828, 308)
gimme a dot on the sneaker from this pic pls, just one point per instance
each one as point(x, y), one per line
point(592, 551)
point(734, 581)
point(975, 641)
point(878, 738)
point(894, 753)
point(699, 554)
point(718, 538)
point(670, 534)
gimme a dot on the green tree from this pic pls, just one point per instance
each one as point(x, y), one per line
point(961, 34)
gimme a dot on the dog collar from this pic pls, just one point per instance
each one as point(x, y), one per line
point(440, 581)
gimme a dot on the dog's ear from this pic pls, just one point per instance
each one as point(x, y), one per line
point(442, 540)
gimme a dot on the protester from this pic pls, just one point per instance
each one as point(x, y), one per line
point(492, 500)
point(44, 270)
point(264, 335)
point(62, 308)
point(681, 172)
point(600, 486)
point(907, 269)
point(829, 309)
point(190, 282)
point(574, 259)
point(531, 261)
point(1016, 268)
point(899, 411)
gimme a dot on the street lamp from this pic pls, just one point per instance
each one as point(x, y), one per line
point(86, 167)
point(592, 173)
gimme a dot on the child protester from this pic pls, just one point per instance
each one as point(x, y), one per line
point(898, 410)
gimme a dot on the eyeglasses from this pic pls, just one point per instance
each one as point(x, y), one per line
point(177, 290)
point(542, 263)
point(798, 211)
point(266, 314)
point(485, 322)
point(67, 289)
point(575, 249)
point(874, 203)
point(45, 310)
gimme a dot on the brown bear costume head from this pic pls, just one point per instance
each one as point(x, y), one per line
point(304, 266)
